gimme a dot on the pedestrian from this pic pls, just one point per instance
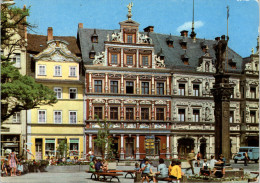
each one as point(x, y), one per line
point(20, 168)
point(4, 167)
point(137, 168)
point(162, 170)
point(191, 158)
point(198, 159)
point(146, 170)
point(12, 162)
point(175, 170)
point(246, 159)
point(91, 155)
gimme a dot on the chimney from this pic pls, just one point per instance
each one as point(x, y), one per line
point(184, 33)
point(149, 29)
point(80, 25)
point(50, 33)
point(217, 38)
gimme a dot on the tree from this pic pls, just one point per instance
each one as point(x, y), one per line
point(18, 92)
point(21, 92)
point(63, 148)
point(103, 141)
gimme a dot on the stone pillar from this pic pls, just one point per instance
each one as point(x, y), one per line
point(168, 154)
point(106, 83)
point(90, 83)
point(175, 146)
point(90, 109)
point(153, 85)
point(90, 141)
point(137, 58)
point(168, 85)
point(237, 143)
point(122, 83)
point(106, 110)
point(122, 57)
point(137, 155)
point(122, 154)
point(137, 85)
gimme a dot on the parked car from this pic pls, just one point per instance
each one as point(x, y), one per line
point(252, 152)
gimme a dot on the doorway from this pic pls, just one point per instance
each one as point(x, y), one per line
point(129, 143)
point(203, 146)
point(185, 145)
point(38, 149)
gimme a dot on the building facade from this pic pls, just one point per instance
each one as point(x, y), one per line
point(154, 89)
point(56, 66)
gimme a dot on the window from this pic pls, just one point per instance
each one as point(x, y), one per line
point(252, 117)
point(129, 39)
point(207, 67)
point(114, 113)
point(98, 112)
point(231, 117)
point(145, 113)
point(129, 147)
point(181, 89)
point(73, 71)
point(145, 87)
point(17, 117)
point(160, 88)
point(196, 90)
point(58, 92)
point(114, 59)
point(98, 86)
point(57, 117)
point(57, 70)
point(181, 113)
point(196, 115)
point(17, 60)
point(159, 113)
point(74, 147)
point(113, 86)
point(129, 87)
point(73, 93)
point(252, 92)
point(49, 147)
point(145, 61)
point(129, 113)
point(73, 117)
point(42, 116)
point(42, 70)
point(129, 59)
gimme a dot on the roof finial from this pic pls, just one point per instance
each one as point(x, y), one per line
point(193, 34)
point(129, 15)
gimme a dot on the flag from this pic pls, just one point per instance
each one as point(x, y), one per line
point(227, 12)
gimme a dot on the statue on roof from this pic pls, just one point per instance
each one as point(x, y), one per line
point(99, 59)
point(220, 49)
point(116, 36)
point(129, 15)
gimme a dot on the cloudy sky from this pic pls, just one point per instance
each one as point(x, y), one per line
point(167, 16)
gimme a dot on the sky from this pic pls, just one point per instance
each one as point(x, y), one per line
point(167, 16)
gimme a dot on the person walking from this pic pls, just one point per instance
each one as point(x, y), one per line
point(198, 159)
point(12, 162)
point(246, 159)
point(191, 158)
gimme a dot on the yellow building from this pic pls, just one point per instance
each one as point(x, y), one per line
point(47, 126)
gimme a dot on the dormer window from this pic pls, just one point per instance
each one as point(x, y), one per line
point(94, 37)
point(92, 53)
point(161, 55)
point(169, 41)
point(232, 63)
point(185, 59)
point(183, 44)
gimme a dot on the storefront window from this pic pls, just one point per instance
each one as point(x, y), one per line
point(74, 147)
point(50, 147)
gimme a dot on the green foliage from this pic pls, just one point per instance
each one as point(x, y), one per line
point(103, 141)
point(20, 92)
point(63, 148)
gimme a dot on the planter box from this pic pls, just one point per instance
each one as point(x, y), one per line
point(67, 169)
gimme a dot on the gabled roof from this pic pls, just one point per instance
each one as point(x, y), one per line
point(37, 43)
point(172, 54)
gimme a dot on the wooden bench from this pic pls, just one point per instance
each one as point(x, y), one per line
point(257, 173)
point(129, 172)
point(92, 175)
point(112, 175)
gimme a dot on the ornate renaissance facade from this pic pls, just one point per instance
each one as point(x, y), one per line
point(154, 90)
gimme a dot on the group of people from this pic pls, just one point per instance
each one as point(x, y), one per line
point(174, 170)
point(12, 164)
point(98, 165)
point(54, 161)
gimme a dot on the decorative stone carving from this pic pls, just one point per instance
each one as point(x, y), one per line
point(114, 101)
point(160, 77)
point(130, 101)
point(98, 75)
point(159, 62)
point(144, 39)
point(159, 125)
point(144, 125)
point(129, 76)
point(116, 125)
point(145, 102)
point(115, 37)
point(114, 76)
point(145, 77)
point(160, 102)
point(99, 59)
point(130, 125)
point(182, 80)
point(98, 100)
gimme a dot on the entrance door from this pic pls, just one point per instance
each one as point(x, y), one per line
point(129, 143)
point(38, 149)
point(185, 145)
point(115, 148)
point(203, 146)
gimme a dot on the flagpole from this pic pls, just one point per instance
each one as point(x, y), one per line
point(227, 36)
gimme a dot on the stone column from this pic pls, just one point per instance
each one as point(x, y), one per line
point(90, 109)
point(153, 85)
point(90, 82)
point(175, 146)
point(137, 85)
point(237, 143)
point(137, 155)
point(168, 154)
point(122, 57)
point(122, 83)
point(90, 141)
point(168, 85)
point(122, 154)
point(137, 58)
point(106, 83)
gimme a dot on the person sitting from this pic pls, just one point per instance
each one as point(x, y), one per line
point(92, 165)
point(98, 166)
point(137, 168)
point(105, 165)
point(162, 171)
point(146, 169)
point(205, 168)
point(212, 164)
point(175, 170)
point(222, 163)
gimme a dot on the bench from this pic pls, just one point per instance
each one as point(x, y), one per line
point(113, 175)
point(257, 173)
point(129, 172)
